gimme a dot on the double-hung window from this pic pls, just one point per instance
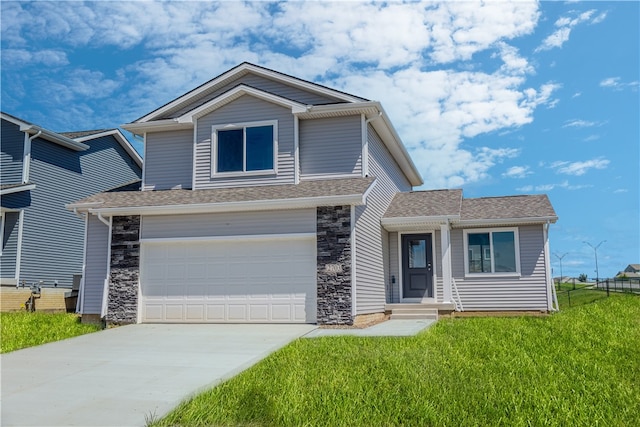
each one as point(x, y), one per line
point(492, 251)
point(246, 148)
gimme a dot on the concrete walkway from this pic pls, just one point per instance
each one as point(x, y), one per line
point(118, 376)
point(390, 328)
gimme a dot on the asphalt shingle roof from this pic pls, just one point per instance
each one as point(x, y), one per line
point(305, 189)
point(438, 203)
point(535, 206)
point(425, 203)
point(82, 133)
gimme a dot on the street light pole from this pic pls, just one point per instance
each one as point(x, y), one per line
point(560, 258)
point(595, 251)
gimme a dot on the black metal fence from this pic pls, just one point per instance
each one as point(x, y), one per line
point(578, 293)
point(619, 285)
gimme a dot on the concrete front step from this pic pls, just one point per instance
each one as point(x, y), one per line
point(414, 313)
point(431, 316)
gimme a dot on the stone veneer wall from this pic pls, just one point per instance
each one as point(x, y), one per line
point(122, 305)
point(334, 265)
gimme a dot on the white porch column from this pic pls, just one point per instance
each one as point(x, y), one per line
point(445, 243)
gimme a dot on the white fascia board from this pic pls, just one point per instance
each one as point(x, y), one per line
point(234, 94)
point(82, 207)
point(14, 120)
point(241, 70)
point(11, 190)
point(413, 223)
point(504, 221)
point(157, 126)
point(54, 137)
point(124, 142)
point(362, 107)
point(253, 205)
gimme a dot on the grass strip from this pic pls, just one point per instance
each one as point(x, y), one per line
point(577, 367)
point(23, 329)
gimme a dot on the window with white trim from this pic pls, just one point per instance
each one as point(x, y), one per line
point(245, 148)
point(492, 251)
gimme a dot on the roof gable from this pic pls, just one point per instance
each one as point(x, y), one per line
point(40, 132)
point(211, 88)
point(86, 136)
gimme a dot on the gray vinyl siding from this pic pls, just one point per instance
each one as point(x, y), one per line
point(394, 268)
point(245, 109)
point(529, 292)
point(331, 146)
point(371, 276)
point(266, 85)
point(229, 224)
point(97, 262)
point(168, 160)
point(9, 245)
point(53, 237)
point(12, 153)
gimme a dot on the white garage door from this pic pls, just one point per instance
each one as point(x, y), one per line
point(229, 281)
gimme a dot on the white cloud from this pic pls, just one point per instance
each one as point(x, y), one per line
point(549, 187)
point(362, 48)
point(620, 190)
point(20, 58)
point(564, 26)
point(517, 172)
point(615, 83)
point(579, 124)
point(579, 168)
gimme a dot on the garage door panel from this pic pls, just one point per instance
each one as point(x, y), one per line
point(231, 281)
point(195, 312)
point(174, 312)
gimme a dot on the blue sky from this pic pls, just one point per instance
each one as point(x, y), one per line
point(497, 98)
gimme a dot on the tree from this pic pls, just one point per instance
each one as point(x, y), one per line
point(582, 277)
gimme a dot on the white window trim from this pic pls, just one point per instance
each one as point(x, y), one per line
point(214, 149)
point(516, 243)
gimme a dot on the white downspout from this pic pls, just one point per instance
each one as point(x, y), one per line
point(445, 244)
point(296, 149)
point(552, 299)
point(353, 262)
point(104, 221)
point(105, 289)
point(26, 160)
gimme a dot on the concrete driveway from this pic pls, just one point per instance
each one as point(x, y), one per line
point(118, 376)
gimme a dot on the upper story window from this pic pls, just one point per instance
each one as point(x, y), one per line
point(245, 148)
point(492, 251)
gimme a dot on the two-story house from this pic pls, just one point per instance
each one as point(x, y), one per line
point(41, 172)
point(267, 198)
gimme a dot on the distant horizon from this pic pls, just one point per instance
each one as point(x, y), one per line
point(497, 98)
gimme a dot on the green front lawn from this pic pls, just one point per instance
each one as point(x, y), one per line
point(580, 367)
point(23, 329)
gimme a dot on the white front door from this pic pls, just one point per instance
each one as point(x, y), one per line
point(233, 281)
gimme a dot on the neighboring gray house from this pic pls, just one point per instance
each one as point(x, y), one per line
point(41, 172)
point(631, 272)
point(266, 198)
